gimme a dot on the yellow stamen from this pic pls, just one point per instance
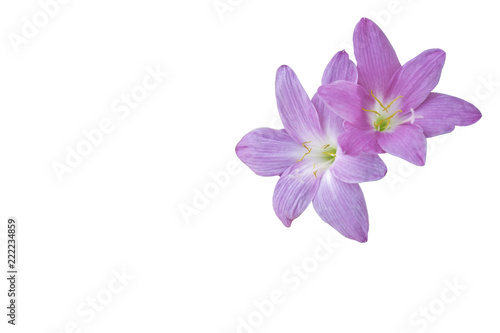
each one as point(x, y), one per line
point(379, 102)
point(371, 111)
point(329, 154)
point(381, 120)
point(395, 113)
point(388, 106)
point(325, 146)
point(314, 171)
point(308, 150)
point(389, 119)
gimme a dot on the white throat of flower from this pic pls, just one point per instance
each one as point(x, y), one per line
point(320, 157)
point(384, 119)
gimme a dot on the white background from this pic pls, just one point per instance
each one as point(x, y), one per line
point(120, 208)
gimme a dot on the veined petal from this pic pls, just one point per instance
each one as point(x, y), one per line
point(376, 58)
point(405, 141)
point(359, 169)
point(331, 123)
point(416, 79)
point(295, 108)
point(268, 152)
point(342, 206)
point(347, 100)
point(355, 140)
point(340, 68)
point(294, 192)
point(440, 113)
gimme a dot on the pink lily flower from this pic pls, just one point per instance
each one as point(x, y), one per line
point(392, 108)
point(309, 158)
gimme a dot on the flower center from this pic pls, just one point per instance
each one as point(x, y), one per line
point(383, 117)
point(322, 157)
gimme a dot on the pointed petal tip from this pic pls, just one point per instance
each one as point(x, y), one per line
point(385, 172)
point(242, 145)
point(287, 223)
point(239, 146)
point(479, 115)
point(440, 54)
point(474, 116)
point(439, 51)
point(342, 53)
point(421, 160)
point(361, 237)
point(284, 69)
point(365, 20)
point(365, 23)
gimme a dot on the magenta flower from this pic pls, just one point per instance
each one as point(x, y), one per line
point(392, 108)
point(308, 158)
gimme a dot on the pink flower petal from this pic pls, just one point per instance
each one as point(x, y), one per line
point(416, 79)
point(405, 141)
point(268, 152)
point(359, 169)
point(296, 110)
point(342, 206)
point(376, 58)
point(356, 140)
point(440, 113)
point(294, 192)
point(340, 68)
point(331, 123)
point(347, 100)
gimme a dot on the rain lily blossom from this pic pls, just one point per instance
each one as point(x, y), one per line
point(392, 108)
point(308, 158)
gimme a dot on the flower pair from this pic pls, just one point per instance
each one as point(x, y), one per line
point(331, 143)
